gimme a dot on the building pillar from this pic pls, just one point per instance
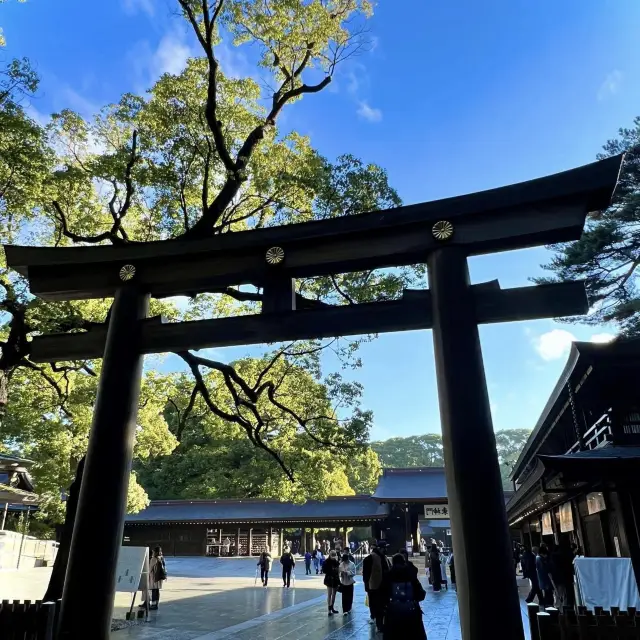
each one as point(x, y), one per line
point(407, 526)
point(269, 539)
point(471, 461)
point(238, 542)
point(4, 516)
point(345, 537)
point(99, 522)
point(250, 542)
point(303, 541)
point(313, 539)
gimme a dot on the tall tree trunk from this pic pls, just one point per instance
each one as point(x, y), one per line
point(56, 582)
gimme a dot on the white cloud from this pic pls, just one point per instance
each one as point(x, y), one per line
point(234, 63)
point(602, 337)
point(556, 343)
point(133, 7)
point(369, 113)
point(169, 56)
point(611, 85)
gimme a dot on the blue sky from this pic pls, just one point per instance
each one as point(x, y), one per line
point(456, 96)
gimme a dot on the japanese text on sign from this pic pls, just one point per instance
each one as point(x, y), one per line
point(436, 511)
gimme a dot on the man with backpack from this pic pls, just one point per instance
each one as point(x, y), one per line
point(374, 570)
point(403, 594)
point(265, 562)
point(288, 563)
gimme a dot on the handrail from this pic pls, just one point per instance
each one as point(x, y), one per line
point(593, 435)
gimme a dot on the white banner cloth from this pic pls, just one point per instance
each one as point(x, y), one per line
point(606, 582)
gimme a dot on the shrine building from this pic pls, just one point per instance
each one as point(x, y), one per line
point(202, 527)
point(576, 479)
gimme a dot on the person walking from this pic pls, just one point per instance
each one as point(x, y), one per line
point(347, 581)
point(157, 576)
point(545, 580)
point(452, 568)
point(226, 546)
point(288, 563)
point(377, 569)
point(403, 594)
point(316, 556)
point(529, 572)
point(434, 564)
point(265, 562)
point(307, 563)
point(331, 570)
point(405, 554)
point(366, 574)
point(562, 573)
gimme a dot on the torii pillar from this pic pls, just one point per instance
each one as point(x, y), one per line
point(474, 484)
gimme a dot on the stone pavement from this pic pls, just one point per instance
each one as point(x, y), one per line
point(215, 599)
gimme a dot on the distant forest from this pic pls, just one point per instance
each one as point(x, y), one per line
point(426, 451)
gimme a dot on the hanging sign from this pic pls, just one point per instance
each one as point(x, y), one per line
point(436, 512)
point(595, 502)
point(566, 518)
point(547, 529)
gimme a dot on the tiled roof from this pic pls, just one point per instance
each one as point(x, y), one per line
point(7, 460)
point(581, 356)
point(420, 484)
point(352, 508)
point(601, 453)
point(14, 495)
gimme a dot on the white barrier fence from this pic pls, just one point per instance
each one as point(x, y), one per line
point(16, 552)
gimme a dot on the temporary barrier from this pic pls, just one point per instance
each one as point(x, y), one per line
point(28, 620)
point(582, 624)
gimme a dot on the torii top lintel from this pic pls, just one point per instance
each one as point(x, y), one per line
point(542, 211)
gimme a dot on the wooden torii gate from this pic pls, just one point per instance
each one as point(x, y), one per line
point(442, 233)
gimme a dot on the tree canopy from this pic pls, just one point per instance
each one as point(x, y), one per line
point(427, 451)
point(607, 256)
point(200, 154)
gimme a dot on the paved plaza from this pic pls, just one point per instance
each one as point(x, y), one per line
point(212, 599)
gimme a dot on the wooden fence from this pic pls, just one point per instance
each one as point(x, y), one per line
point(581, 624)
point(28, 620)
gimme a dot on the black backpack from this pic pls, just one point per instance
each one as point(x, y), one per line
point(402, 599)
point(159, 571)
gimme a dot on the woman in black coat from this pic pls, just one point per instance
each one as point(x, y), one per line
point(403, 593)
point(331, 570)
point(435, 567)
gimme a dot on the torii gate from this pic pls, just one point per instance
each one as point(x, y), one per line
point(442, 233)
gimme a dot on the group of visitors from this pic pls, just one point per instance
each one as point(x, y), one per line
point(392, 586)
point(339, 575)
point(550, 574)
point(436, 563)
point(287, 561)
point(394, 594)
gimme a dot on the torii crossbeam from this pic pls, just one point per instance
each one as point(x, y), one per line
point(442, 233)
